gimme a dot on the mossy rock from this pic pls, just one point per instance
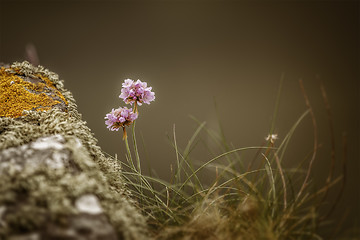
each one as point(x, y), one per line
point(55, 181)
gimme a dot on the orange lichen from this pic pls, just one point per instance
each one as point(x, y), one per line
point(17, 95)
point(51, 85)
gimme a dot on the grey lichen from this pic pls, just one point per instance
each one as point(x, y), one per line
point(56, 182)
point(35, 193)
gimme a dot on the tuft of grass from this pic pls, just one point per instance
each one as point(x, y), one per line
point(240, 202)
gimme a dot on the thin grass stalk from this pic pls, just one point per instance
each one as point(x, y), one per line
point(129, 182)
point(147, 199)
point(277, 103)
point(210, 190)
point(136, 148)
point(290, 212)
point(282, 178)
point(262, 163)
point(187, 152)
point(222, 133)
point(332, 137)
point(137, 157)
point(341, 222)
point(226, 170)
point(250, 165)
point(145, 150)
point(178, 173)
point(272, 183)
point(181, 167)
point(215, 137)
point(214, 159)
point(237, 177)
point(315, 139)
point(286, 140)
point(140, 176)
point(322, 190)
point(211, 203)
point(219, 140)
point(129, 157)
point(340, 193)
point(223, 142)
point(178, 192)
point(134, 184)
point(221, 186)
point(276, 110)
point(238, 159)
point(310, 234)
point(192, 139)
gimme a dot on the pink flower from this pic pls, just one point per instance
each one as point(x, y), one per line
point(119, 118)
point(138, 92)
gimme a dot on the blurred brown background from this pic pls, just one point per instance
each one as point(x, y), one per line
point(193, 51)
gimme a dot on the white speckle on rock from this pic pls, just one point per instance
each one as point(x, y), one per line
point(53, 142)
point(78, 143)
point(46, 145)
point(26, 236)
point(88, 204)
point(57, 161)
point(2, 211)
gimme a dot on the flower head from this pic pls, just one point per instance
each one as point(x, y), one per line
point(271, 138)
point(138, 92)
point(119, 118)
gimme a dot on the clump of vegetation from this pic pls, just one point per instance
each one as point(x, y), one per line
point(259, 200)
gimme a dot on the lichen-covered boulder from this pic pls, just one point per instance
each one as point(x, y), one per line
point(55, 182)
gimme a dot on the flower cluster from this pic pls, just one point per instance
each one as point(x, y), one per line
point(119, 118)
point(136, 92)
point(132, 92)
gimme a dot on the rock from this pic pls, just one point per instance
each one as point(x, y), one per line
point(24, 87)
point(55, 182)
point(88, 204)
point(82, 227)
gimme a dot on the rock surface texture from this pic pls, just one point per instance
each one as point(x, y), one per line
point(55, 182)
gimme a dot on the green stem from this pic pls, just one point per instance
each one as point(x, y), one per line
point(136, 149)
point(130, 161)
point(137, 170)
point(137, 158)
point(135, 107)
